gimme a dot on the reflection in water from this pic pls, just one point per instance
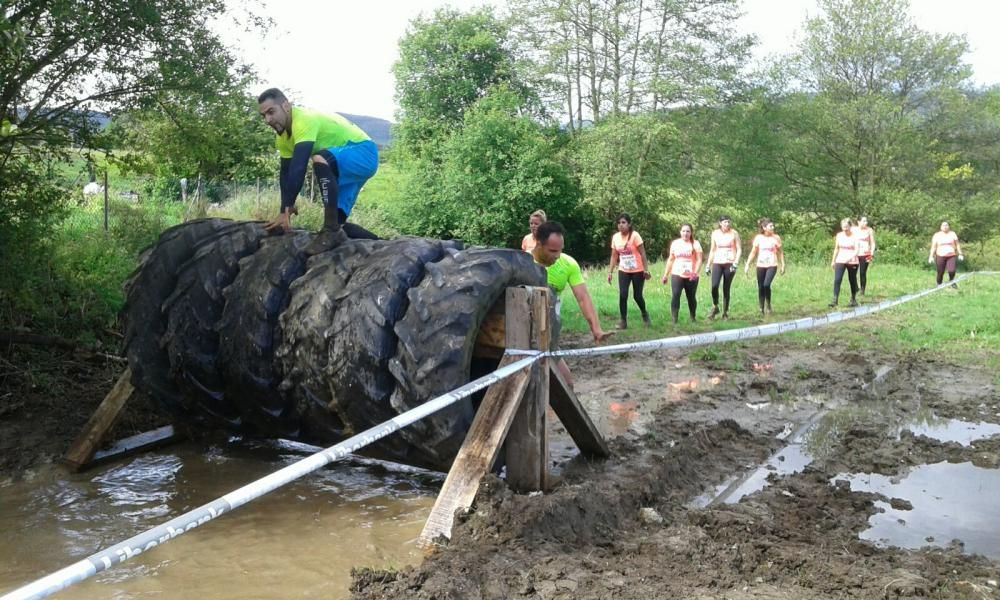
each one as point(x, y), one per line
point(952, 430)
point(621, 416)
point(950, 502)
point(299, 541)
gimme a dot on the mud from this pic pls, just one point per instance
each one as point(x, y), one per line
point(682, 426)
point(627, 527)
point(46, 397)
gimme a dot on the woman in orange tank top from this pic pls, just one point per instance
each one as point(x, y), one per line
point(866, 252)
point(529, 241)
point(683, 262)
point(845, 259)
point(628, 253)
point(767, 249)
point(723, 256)
point(944, 250)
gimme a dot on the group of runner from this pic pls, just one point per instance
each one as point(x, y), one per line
point(853, 252)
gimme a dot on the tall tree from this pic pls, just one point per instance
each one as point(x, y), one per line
point(611, 57)
point(867, 82)
point(489, 175)
point(64, 61)
point(447, 62)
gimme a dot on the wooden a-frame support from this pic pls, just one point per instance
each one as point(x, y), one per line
point(513, 411)
point(85, 452)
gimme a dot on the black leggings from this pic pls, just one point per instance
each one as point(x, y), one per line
point(765, 275)
point(945, 263)
point(638, 280)
point(838, 277)
point(725, 273)
point(690, 287)
point(863, 272)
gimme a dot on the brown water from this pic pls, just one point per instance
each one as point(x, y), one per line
point(297, 542)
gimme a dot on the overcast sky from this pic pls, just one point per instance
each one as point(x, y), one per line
point(337, 55)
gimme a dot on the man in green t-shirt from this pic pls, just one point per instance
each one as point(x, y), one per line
point(564, 271)
point(343, 159)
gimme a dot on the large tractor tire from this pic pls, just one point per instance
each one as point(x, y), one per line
point(438, 333)
point(233, 330)
point(249, 333)
point(304, 351)
point(142, 315)
point(193, 311)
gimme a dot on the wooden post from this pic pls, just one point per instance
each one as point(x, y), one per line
point(477, 454)
point(106, 203)
point(527, 448)
point(574, 417)
point(103, 419)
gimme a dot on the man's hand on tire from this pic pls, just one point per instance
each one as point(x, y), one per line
point(283, 222)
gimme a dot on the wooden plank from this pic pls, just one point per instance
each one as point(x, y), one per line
point(100, 423)
point(491, 341)
point(574, 417)
point(132, 444)
point(527, 448)
point(477, 454)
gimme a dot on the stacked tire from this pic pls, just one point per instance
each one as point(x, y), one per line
point(228, 328)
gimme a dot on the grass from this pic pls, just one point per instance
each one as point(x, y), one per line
point(957, 325)
point(379, 199)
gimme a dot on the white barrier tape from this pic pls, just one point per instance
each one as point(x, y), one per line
point(746, 333)
point(119, 553)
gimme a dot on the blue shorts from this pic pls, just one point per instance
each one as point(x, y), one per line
point(356, 163)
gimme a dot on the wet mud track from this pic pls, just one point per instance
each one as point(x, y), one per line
point(660, 519)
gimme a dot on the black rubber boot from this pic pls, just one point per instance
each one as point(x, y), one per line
point(713, 312)
point(330, 236)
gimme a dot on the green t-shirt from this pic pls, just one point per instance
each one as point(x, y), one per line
point(325, 131)
point(564, 271)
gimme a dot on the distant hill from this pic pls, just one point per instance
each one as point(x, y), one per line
point(379, 130)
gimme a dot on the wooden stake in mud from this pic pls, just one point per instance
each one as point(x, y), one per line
point(527, 448)
point(84, 451)
point(100, 423)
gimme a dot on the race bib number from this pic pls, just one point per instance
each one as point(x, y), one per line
point(724, 255)
point(627, 262)
point(864, 248)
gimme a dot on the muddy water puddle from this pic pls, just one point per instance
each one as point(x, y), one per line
point(953, 430)
point(930, 505)
point(934, 504)
point(298, 542)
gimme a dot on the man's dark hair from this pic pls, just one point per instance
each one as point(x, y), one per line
point(546, 229)
point(272, 94)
